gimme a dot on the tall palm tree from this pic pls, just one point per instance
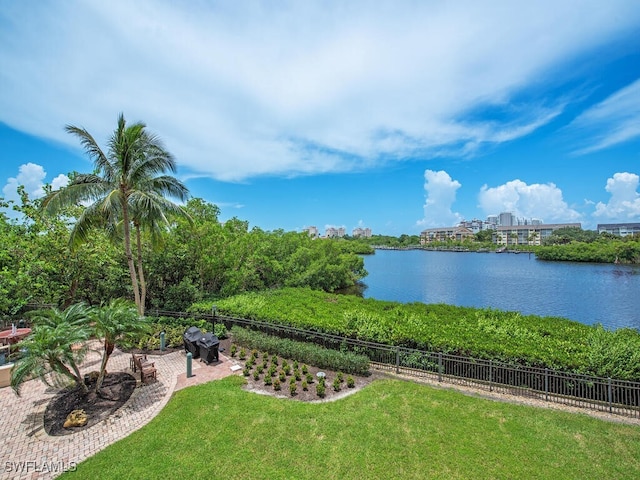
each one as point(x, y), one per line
point(115, 321)
point(128, 186)
point(48, 349)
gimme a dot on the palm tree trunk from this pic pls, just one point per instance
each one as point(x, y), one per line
point(75, 375)
point(143, 283)
point(127, 249)
point(108, 349)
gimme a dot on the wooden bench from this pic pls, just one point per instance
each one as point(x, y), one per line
point(147, 368)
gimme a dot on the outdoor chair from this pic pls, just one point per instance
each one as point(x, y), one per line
point(147, 368)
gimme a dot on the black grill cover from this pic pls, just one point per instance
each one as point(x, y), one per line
point(191, 337)
point(208, 345)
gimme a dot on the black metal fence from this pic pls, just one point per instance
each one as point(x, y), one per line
point(618, 397)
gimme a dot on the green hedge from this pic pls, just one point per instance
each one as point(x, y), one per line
point(531, 340)
point(310, 353)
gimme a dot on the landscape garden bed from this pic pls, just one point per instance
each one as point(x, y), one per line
point(270, 374)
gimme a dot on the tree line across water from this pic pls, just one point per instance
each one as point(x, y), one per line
point(570, 244)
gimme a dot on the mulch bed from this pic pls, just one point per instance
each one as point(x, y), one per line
point(258, 386)
point(116, 390)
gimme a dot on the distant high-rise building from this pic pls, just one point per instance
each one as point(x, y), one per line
point(506, 219)
point(361, 232)
point(332, 232)
point(313, 231)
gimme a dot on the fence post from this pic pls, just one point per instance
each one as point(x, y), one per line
point(610, 395)
point(491, 375)
point(398, 359)
point(546, 384)
point(440, 366)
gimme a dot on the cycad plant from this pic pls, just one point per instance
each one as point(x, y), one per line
point(117, 320)
point(49, 349)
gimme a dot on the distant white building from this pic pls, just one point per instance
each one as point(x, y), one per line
point(312, 231)
point(476, 225)
point(361, 232)
point(446, 234)
point(506, 219)
point(527, 234)
point(622, 229)
point(333, 232)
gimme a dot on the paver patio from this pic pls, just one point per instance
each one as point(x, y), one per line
point(28, 452)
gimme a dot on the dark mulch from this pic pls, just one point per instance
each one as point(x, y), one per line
point(310, 395)
point(116, 390)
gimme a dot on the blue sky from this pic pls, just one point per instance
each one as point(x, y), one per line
point(397, 116)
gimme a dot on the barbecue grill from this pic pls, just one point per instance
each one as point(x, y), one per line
point(208, 345)
point(191, 337)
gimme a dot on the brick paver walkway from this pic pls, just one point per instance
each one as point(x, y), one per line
point(28, 452)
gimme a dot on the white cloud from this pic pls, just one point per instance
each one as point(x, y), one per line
point(241, 89)
point(542, 201)
point(59, 182)
point(32, 177)
point(614, 120)
point(440, 192)
point(624, 204)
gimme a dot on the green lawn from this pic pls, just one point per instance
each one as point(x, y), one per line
point(389, 430)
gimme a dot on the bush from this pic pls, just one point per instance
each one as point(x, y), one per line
point(305, 385)
point(320, 390)
point(336, 384)
point(351, 383)
point(277, 385)
point(306, 352)
point(268, 380)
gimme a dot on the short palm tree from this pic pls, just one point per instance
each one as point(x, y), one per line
point(48, 349)
point(115, 321)
point(128, 187)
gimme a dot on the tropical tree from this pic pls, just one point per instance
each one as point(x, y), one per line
point(127, 188)
point(115, 321)
point(48, 349)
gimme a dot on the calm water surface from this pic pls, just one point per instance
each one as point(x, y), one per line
point(589, 293)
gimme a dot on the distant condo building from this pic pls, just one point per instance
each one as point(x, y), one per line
point(361, 232)
point(621, 229)
point(333, 232)
point(476, 225)
point(312, 231)
point(457, 234)
point(527, 234)
point(506, 219)
point(517, 232)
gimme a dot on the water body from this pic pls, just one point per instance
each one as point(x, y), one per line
point(586, 292)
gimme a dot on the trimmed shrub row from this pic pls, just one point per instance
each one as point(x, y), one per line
point(303, 352)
